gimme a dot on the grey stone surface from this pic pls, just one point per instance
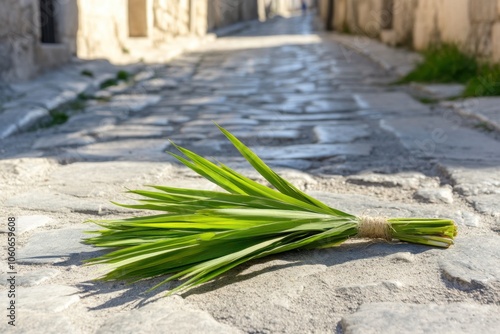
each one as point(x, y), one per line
point(486, 204)
point(312, 151)
point(63, 139)
point(326, 106)
point(31, 322)
point(435, 195)
point(41, 199)
point(110, 178)
point(135, 149)
point(474, 179)
point(55, 245)
point(391, 101)
point(159, 120)
point(48, 298)
point(28, 223)
point(320, 85)
point(484, 109)
point(427, 318)
point(410, 180)
point(267, 134)
point(49, 91)
point(133, 103)
point(441, 91)
point(163, 315)
point(400, 60)
point(25, 170)
point(436, 137)
point(131, 131)
point(340, 134)
point(473, 261)
point(32, 278)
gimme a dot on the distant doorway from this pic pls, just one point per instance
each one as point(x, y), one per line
point(47, 21)
point(137, 18)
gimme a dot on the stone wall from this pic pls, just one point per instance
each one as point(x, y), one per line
point(117, 30)
point(21, 52)
point(114, 29)
point(225, 12)
point(474, 25)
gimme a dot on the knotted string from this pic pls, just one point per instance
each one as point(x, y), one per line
point(374, 228)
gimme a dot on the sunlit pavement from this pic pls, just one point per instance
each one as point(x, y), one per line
point(331, 122)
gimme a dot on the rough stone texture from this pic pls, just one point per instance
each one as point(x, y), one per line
point(51, 324)
point(340, 134)
point(378, 101)
point(474, 25)
point(25, 170)
point(437, 137)
point(413, 318)
point(28, 223)
point(441, 91)
point(22, 53)
point(171, 314)
point(486, 204)
point(41, 199)
point(48, 298)
point(55, 246)
point(432, 195)
point(473, 178)
point(32, 278)
point(73, 139)
point(473, 261)
point(138, 149)
point(403, 180)
point(312, 151)
point(231, 80)
point(483, 109)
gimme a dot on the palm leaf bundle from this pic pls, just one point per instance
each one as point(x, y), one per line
point(200, 234)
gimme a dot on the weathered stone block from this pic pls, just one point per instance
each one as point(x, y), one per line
point(454, 28)
point(495, 45)
point(483, 11)
point(425, 31)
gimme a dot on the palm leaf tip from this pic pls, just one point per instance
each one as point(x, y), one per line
point(200, 234)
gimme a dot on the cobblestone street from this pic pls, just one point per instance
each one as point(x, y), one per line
point(330, 121)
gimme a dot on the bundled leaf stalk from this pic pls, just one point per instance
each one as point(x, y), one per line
point(201, 234)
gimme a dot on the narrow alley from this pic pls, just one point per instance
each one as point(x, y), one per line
point(331, 121)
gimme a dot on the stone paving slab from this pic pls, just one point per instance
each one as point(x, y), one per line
point(473, 261)
point(427, 318)
point(390, 101)
point(49, 91)
point(436, 137)
point(175, 317)
point(307, 151)
point(340, 134)
point(56, 246)
point(32, 278)
point(400, 61)
point(128, 149)
point(441, 91)
point(45, 200)
point(52, 323)
point(486, 204)
point(473, 178)
point(484, 109)
point(318, 86)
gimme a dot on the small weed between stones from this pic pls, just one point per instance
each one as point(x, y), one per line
point(447, 64)
point(87, 73)
point(120, 76)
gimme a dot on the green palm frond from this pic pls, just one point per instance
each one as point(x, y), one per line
point(199, 235)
